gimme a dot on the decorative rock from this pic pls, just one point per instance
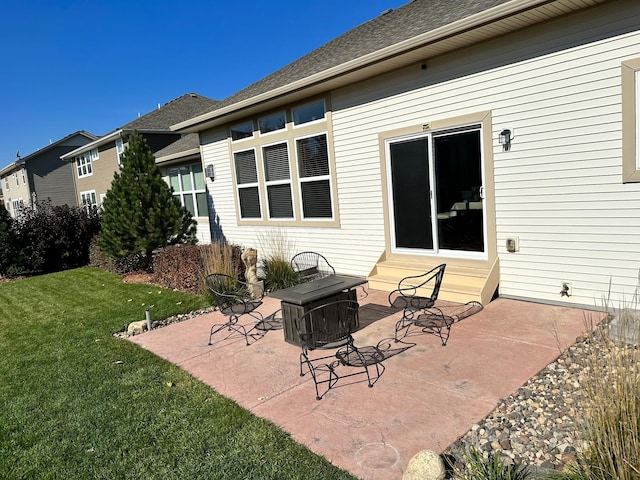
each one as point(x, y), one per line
point(425, 465)
point(136, 328)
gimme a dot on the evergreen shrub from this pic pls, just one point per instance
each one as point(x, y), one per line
point(140, 212)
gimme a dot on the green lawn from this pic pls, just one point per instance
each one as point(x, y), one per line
point(77, 403)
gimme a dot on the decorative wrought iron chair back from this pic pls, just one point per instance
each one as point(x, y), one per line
point(233, 298)
point(410, 292)
point(311, 265)
point(329, 327)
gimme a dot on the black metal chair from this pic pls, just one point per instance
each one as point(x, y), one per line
point(419, 308)
point(329, 327)
point(234, 299)
point(311, 265)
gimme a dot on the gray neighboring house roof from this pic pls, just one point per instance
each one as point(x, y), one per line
point(44, 149)
point(180, 109)
point(398, 37)
point(184, 148)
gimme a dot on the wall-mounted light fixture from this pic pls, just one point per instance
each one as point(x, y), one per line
point(208, 171)
point(505, 138)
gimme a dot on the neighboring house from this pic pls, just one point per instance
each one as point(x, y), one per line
point(181, 167)
point(499, 137)
point(42, 176)
point(95, 163)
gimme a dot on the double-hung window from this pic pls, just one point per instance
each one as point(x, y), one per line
point(247, 184)
point(6, 183)
point(88, 200)
point(278, 180)
point(189, 187)
point(314, 176)
point(284, 168)
point(23, 171)
point(83, 165)
point(15, 177)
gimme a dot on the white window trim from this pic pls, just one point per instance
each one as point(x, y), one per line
point(288, 181)
point(192, 193)
point(119, 150)
point(253, 132)
point(23, 171)
point(91, 194)
point(240, 186)
point(273, 132)
point(6, 183)
point(328, 176)
point(95, 154)
point(312, 122)
point(84, 166)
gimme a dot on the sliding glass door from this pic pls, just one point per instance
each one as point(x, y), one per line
point(437, 194)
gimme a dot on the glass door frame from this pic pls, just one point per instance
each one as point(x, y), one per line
point(436, 251)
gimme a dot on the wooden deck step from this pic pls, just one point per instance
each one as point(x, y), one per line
point(462, 282)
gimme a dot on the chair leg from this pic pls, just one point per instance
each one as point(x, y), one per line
point(231, 325)
point(403, 324)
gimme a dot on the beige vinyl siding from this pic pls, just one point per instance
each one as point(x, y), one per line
point(559, 189)
point(103, 170)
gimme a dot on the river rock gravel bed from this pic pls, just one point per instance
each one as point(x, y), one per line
point(540, 424)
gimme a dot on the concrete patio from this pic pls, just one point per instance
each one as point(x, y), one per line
point(427, 398)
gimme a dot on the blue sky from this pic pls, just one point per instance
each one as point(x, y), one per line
point(72, 65)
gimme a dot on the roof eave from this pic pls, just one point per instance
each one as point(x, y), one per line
point(110, 137)
point(190, 154)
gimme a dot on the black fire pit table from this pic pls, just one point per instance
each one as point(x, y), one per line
point(299, 299)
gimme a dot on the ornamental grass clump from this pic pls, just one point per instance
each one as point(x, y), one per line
point(222, 257)
point(276, 251)
point(612, 405)
point(492, 468)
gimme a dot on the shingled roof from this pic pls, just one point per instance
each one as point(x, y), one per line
point(182, 108)
point(389, 28)
point(187, 145)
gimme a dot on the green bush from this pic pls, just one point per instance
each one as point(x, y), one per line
point(120, 266)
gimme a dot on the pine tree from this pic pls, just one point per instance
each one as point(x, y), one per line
point(140, 213)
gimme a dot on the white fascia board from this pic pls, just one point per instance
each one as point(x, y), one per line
point(482, 18)
point(91, 145)
point(9, 169)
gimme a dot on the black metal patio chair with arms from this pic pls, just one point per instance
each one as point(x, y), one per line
point(235, 299)
point(328, 327)
point(416, 295)
point(311, 265)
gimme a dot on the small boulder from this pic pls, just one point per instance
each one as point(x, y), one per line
point(425, 465)
point(135, 328)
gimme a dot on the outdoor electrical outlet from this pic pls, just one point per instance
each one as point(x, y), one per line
point(566, 289)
